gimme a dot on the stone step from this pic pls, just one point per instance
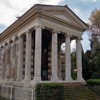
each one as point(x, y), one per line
point(79, 93)
point(73, 84)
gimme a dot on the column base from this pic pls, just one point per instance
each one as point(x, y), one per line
point(19, 79)
point(55, 79)
point(8, 83)
point(36, 80)
point(26, 83)
point(11, 79)
point(25, 80)
point(68, 79)
point(1, 82)
point(80, 79)
point(19, 83)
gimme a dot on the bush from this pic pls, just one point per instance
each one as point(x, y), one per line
point(95, 75)
point(94, 85)
point(93, 82)
point(1, 98)
point(49, 91)
point(96, 89)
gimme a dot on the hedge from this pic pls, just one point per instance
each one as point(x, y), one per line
point(49, 91)
point(1, 98)
point(93, 82)
point(94, 85)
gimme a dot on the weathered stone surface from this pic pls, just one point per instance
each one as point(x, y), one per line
point(21, 93)
point(20, 69)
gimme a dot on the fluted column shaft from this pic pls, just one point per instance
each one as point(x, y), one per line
point(2, 63)
point(20, 59)
point(67, 59)
point(12, 60)
point(38, 49)
point(7, 65)
point(54, 55)
point(79, 60)
point(28, 56)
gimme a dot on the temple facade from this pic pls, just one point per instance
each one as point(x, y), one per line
point(30, 50)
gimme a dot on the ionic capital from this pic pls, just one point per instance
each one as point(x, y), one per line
point(55, 31)
point(79, 38)
point(20, 36)
point(68, 35)
point(28, 32)
point(6, 44)
point(38, 26)
point(1, 46)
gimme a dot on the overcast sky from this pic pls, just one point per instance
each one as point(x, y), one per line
point(10, 9)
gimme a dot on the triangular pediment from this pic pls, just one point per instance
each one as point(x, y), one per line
point(63, 17)
point(64, 13)
point(66, 18)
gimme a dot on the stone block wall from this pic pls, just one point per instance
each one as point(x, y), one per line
point(22, 93)
point(17, 93)
point(6, 92)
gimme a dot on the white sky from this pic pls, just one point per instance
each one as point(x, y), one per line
point(10, 9)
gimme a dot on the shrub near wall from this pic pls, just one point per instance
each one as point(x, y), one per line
point(49, 91)
point(94, 85)
point(93, 82)
point(1, 98)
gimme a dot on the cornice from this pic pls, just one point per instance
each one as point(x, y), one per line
point(30, 15)
point(66, 9)
point(60, 21)
point(18, 25)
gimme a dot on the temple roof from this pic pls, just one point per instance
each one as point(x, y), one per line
point(60, 13)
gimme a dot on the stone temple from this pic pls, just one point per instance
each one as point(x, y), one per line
point(30, 50)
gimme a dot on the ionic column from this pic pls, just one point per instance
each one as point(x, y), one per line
point(20, 59)
point(28, 56)
point(54, 69)
point(12, 59)
point(38, 49)
point(8, 70)
point(6, 64)
point(79, 60)
point(16, 58)
point(68, 77)
point(1, 63)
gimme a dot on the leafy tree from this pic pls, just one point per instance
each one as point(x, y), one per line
point(94, 29)
point(86, 64)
